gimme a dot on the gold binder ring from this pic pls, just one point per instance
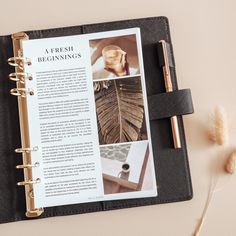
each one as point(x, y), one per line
point(22, 92)
point(35, 212)
point(19, 62)
point(20, 77)
point(26, 150)
point(31, 193)
point(29, 182)
point(26, 166)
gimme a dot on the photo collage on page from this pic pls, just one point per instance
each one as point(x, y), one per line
point(120, 110)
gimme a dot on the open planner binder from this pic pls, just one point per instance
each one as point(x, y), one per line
point(171, 178)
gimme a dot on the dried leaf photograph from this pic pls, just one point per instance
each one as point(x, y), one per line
point(120, 110)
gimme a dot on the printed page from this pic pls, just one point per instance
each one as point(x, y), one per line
point(88, 118)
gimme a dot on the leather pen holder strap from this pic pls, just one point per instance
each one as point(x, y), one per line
point(164, 105)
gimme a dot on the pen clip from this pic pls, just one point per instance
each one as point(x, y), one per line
point(164, 55)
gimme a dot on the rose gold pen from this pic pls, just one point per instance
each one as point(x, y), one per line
point(169, 88)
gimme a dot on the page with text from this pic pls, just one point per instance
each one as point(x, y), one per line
point(88, 118)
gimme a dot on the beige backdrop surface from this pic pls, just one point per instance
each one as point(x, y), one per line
point(204, 39)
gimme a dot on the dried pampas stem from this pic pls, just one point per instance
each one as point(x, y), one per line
point(231, 163)
point(206, 207)
point(219, 132)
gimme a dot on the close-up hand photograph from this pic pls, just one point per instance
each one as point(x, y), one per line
point(118, 122)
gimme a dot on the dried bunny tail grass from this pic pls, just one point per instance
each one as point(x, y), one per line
point(231, 163)
point(219, 132)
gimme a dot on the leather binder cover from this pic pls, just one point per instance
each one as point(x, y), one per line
point(172, 168)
